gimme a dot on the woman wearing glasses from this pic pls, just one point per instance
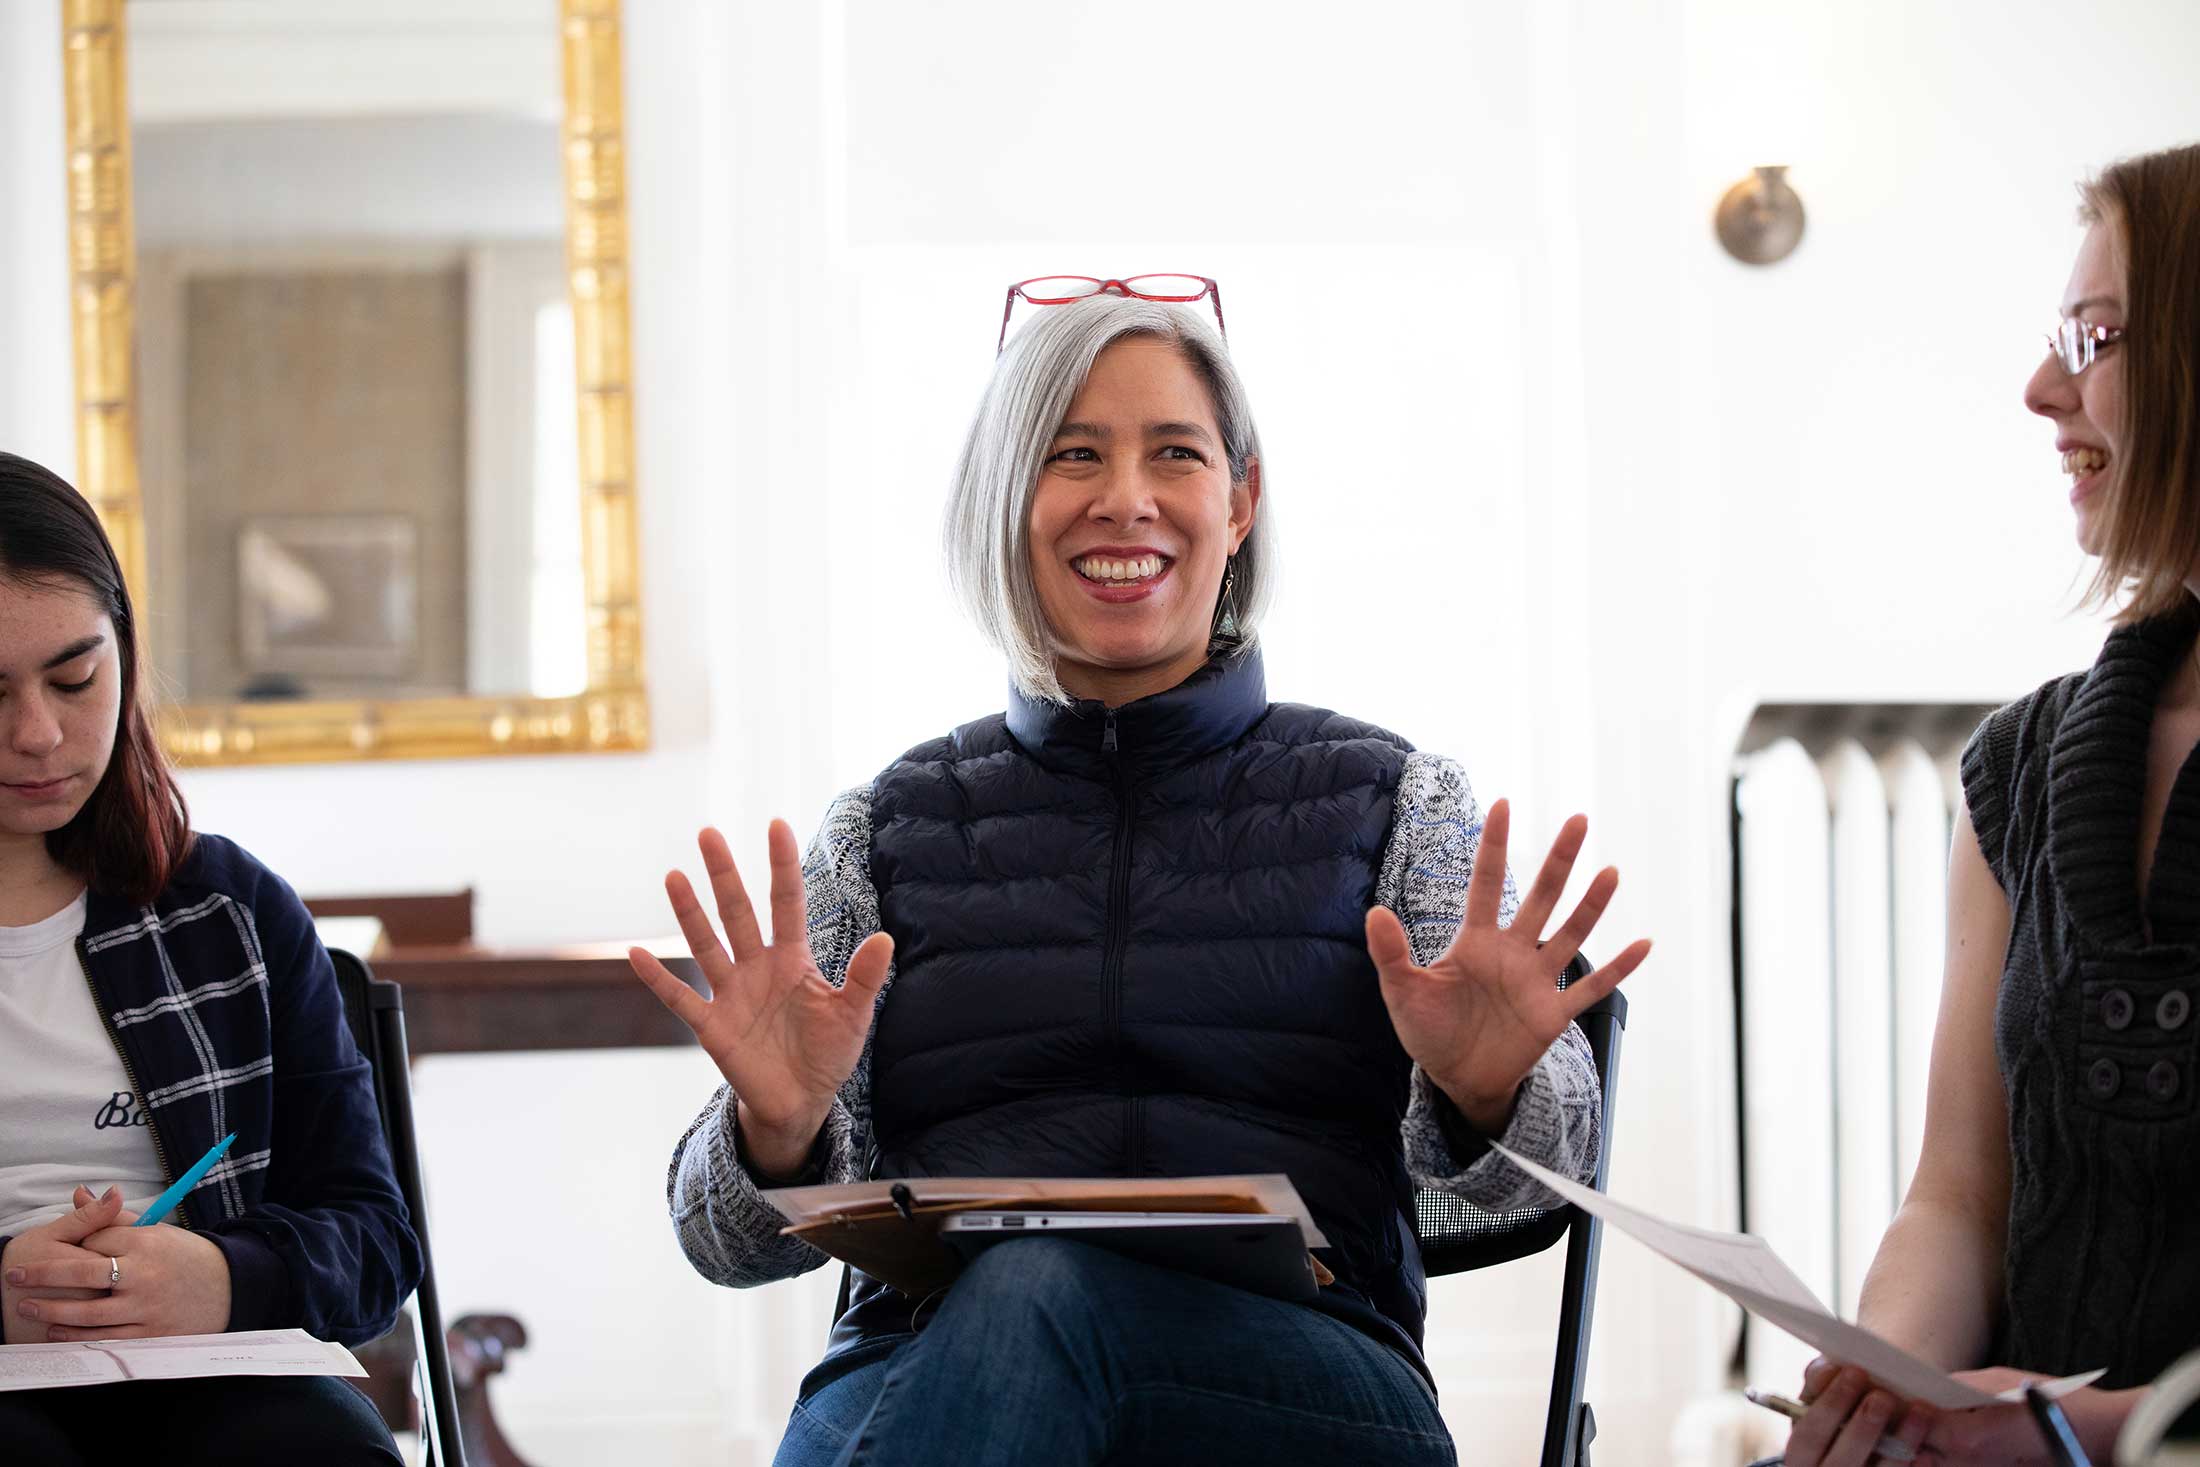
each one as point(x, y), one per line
point(1143, 923)
point(2054, 1223)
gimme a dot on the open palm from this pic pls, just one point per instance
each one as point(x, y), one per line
point(1480, 1017)
point(783, 1037)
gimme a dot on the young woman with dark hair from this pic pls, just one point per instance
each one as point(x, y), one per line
point(2054, 1223)
point(158, 991)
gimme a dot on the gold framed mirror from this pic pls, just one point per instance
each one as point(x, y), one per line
point(370, 476)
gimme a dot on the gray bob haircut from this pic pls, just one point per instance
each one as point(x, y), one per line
point(988, 527)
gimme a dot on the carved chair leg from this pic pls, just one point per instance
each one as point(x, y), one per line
point(479, 1344)
point(389, 1382)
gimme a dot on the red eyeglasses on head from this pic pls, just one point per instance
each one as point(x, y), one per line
point(1060, 290)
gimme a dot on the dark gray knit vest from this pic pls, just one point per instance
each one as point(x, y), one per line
point(2097, 1027)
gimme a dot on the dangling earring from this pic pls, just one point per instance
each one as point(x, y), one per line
point(1225, 625)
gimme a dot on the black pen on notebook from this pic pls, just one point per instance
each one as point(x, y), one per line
point(1891, 1448)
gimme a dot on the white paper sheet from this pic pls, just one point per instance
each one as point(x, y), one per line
point(172, 1357)
point(1273, 1191)
point(1742, 1267)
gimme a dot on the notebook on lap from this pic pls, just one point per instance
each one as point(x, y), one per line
point(1260, 1252)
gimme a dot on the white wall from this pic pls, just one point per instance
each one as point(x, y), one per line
point(1884, 498)
point(1562, 490)
point(37, 395)
point(1878, 517)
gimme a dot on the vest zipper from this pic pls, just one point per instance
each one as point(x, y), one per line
point(1119, 899)
point(160, 1152)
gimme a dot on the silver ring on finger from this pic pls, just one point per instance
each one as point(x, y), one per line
point(114, 1273)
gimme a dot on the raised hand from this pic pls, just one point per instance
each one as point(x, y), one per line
point(1480, 1017)
point(783, 1037)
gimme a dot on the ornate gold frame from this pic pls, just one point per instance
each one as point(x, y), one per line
point(613, 714)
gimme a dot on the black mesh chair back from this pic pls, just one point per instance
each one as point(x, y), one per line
point(1457, 1236)
point(376, 1011)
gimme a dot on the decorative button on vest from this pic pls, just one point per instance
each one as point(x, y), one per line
point(2174, 1009)
point(2117, 1009)
point(2162, 1081)
point(2104, 1079)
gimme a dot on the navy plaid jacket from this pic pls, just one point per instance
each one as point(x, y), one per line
point(225, 1008)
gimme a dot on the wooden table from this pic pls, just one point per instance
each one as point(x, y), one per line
point(464, 999)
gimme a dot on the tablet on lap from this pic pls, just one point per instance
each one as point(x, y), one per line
point(1262, 1253)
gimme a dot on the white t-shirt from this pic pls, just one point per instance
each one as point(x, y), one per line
point(67, 1114)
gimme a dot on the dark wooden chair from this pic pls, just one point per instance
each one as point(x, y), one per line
point(478, 1346)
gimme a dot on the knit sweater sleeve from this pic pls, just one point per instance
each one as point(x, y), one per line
point(725, 1227)
point(1557, 1119)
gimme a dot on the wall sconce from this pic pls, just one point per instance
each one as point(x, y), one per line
point(1760, 221)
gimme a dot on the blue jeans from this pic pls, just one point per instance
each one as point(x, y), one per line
point(1054, 1352)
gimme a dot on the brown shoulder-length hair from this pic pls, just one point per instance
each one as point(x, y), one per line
point(134, 831)
point(2150, 520)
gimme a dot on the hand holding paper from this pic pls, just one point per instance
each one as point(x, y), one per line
point(1742, 1267)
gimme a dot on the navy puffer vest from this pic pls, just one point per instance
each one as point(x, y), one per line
point(1129, 942)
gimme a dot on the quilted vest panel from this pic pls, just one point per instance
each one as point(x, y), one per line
point(1130, 944)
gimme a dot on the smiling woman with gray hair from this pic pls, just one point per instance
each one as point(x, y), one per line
point(1025, 422)
point(1144, 923)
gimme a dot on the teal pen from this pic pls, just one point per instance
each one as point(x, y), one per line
point(166, 1202)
